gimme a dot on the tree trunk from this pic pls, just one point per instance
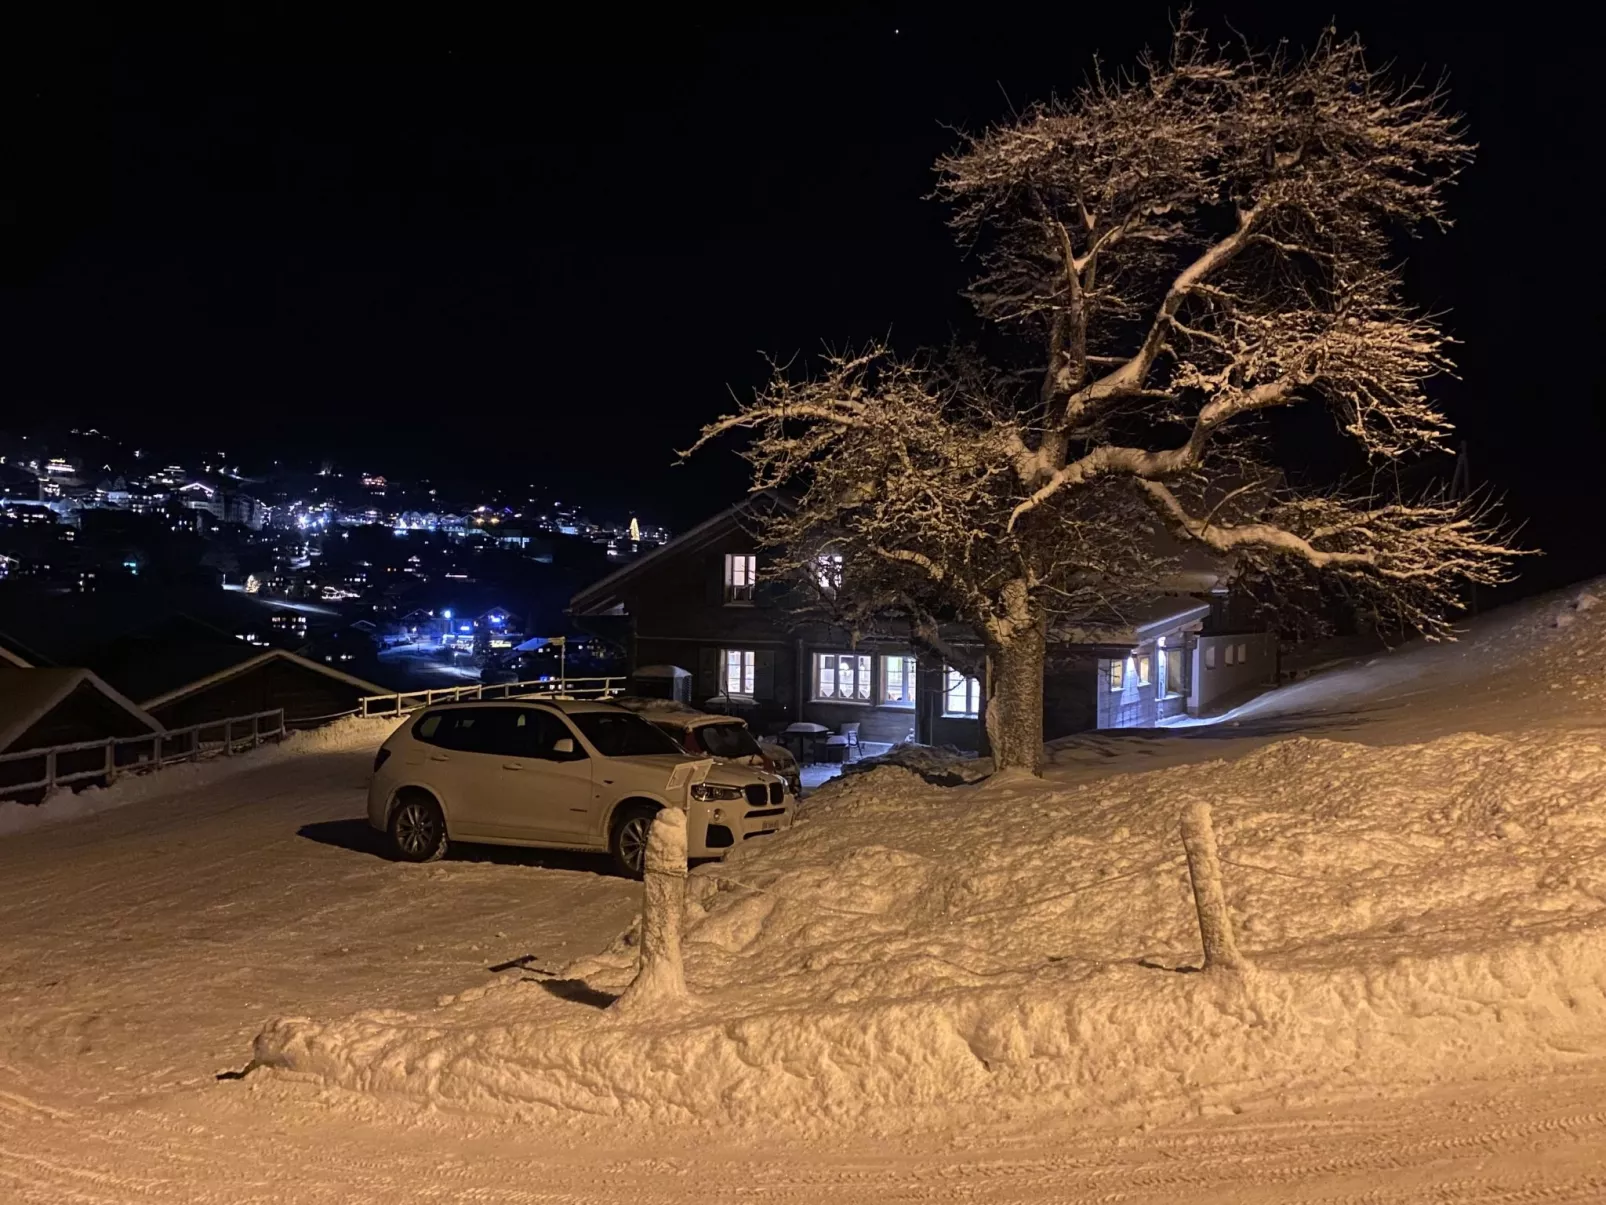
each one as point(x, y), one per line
point(1014, 716)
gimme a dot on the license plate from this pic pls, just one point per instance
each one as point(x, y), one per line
point(770, 826)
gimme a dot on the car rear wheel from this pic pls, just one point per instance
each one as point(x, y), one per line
point(417, 829)
point(631, 829)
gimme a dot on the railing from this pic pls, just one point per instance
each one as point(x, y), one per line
point(62, 765)
point(407, 701)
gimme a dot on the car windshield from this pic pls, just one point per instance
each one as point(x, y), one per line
point(728, 740)
point(621, 734)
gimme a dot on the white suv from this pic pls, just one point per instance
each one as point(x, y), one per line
point(558, 774)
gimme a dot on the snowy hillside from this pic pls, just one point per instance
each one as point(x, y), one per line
point(1414, 912)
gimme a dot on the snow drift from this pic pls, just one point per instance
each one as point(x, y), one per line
point(1414, 913)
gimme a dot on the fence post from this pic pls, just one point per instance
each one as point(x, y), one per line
point(659, 977)
point(228, 738)
point(50, 771)
point(110, 767)
point(1204, 869)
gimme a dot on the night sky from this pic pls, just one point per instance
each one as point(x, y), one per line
point(487, 246)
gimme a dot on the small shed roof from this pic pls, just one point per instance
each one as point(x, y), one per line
point(29, 695)
point(251, 663)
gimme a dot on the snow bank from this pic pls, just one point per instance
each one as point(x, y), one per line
point(941, 765)
point(350, 733)
point(1414, 912)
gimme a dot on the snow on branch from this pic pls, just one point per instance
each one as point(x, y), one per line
point(1418, 554)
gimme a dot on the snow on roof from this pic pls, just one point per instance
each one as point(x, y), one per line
point(661, 671)
point(597, 597)
point(7, 657)
point(27, 695)
point(251, 663)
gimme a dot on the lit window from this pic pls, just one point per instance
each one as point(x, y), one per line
point(1210, 656)
point(828, 572)
point(1175, 674)
point(961, 695)
point(739, 671)
point(1143, 670)
point(741, 575)
point(1117, 675)
point(898, 681)
point(842, 676)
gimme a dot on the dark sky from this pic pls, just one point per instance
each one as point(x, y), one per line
point(487, 245)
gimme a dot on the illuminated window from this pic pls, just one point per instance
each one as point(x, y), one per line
point(1210, 656)
point(1143, 670)
point(1117, 675)
point(844, 677)
point(739, 671)
point(828, 572)
point(961, 696)
point(741, 576)
point(898, 681)
point(1171, 667)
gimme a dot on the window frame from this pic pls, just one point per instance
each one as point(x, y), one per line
point(1117, 675)
point(1144, 664)
point(744, 592)
point(972, 689)
point(908, 671)
point(1210, 656)
point(862, 662)
point(1175, 684)
point(747, 673)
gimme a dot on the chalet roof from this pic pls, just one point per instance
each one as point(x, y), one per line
point(1136, 623)
point(29, 695)
point(251, 663)
point(599, 597)
point(14, 660)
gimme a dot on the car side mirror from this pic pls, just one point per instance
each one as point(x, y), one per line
point(563, 747)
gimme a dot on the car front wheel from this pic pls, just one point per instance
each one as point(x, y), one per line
point(631, 829)
point(417, 829)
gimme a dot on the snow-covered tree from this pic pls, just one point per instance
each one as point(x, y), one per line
point(1186, 250)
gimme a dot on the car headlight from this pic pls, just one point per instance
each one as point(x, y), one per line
point(708, 792)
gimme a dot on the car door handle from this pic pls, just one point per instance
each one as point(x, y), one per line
point(439, 757)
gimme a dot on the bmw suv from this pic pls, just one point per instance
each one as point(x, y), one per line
point(558, 774)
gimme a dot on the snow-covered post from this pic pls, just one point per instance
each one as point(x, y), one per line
point(659, 977)
point(1204, 868)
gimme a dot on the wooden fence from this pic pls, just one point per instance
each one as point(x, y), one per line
point(550, 688)
point(42, 770)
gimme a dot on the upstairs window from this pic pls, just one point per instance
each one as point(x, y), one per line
point(844, 677)
point(961, 695)
point(741, 576)
point(828, 572)
point(739, 671)
point(898, 681)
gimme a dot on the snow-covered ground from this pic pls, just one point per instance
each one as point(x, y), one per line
point(921, 992)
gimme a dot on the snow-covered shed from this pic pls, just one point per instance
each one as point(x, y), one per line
point(304, 690)
point(52, 706)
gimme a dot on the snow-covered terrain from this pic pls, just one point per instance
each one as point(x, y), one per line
point(921, 992)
